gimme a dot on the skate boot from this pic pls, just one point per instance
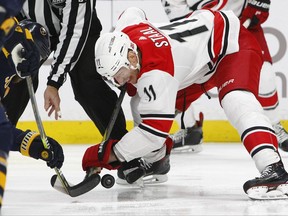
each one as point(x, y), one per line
point(272, 184)
point(144, 173)
point(190, 138)
point(282, 136)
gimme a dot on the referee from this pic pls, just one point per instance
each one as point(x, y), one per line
point(73, 27)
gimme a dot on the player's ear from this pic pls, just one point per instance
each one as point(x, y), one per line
point(133, 58)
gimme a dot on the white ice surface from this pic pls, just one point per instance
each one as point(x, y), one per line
point(207, 183)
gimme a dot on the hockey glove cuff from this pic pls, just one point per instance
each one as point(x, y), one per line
point(257, 11)
point(32, 146)
point(98, 156)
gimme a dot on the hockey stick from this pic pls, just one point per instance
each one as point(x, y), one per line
point(115, 113)
point(73, 191)
point(107, 180)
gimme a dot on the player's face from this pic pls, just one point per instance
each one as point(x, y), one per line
point(122, 76)
point(127, 74)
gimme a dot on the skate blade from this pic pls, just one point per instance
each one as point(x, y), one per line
point(188, 148)
point(155, 179)
point(263, 193)
point(152, 179)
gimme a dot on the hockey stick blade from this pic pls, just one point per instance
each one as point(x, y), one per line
point(91, 179)
point(76, 190)
point(65, 187)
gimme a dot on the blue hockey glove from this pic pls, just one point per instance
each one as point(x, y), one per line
point(31, 145)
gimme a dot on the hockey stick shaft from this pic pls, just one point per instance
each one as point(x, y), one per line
point(114, 114)
point(110, 126)
point(36, 112)
point(41, 128)
point(92, 177)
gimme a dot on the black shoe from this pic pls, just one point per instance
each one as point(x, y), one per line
point(189, 139)
point(272, 184)
point(282, 136)
point(150, 172)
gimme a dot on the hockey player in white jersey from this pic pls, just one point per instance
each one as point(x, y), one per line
point(252, 13)
point(206, 50)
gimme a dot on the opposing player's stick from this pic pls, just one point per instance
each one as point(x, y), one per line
point(107, 180)
point(73, 191)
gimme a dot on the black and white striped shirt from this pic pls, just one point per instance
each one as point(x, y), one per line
point(69, 22)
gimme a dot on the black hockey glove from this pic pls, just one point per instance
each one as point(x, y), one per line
point(30, 55)
point(24, 54)
point(32, 146)
point(31, 60)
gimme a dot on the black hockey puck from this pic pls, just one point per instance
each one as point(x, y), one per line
point(107, 181)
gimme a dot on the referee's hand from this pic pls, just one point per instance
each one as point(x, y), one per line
point(52, 101)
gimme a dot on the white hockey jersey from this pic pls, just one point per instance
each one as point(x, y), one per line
point(176, 9)
point(188, 55)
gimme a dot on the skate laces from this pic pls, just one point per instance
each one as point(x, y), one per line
point(267, 171)
point(273, 170)
point(180, 135)
point(146, 165)
point(280, 133)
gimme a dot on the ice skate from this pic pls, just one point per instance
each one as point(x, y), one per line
point(282, 136)
point(139, 172)
point(271, 185)
point(189, 139)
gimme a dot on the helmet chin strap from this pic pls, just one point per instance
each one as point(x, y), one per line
point(135, 68)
